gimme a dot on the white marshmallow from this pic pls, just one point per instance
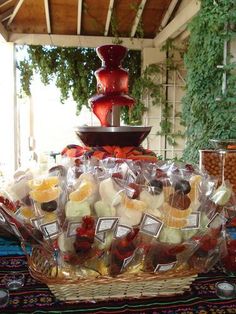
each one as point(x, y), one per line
point(102, 209)
point(153, 201)
point(77, 209)
point(108, 193)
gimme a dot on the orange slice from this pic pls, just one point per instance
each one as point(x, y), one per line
point(167, 191)
point(82, 193)
point(134, 204)
point(178, 213)
point(194, 183)
point(44, 196)
point(43, 184)
point(175, 212)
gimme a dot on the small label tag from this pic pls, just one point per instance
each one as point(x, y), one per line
point(131, 175)
point(15, 230)
point(37, 222)
point(127, 261)
point(151, 225)
point(164, 267)
point(71, 228)
point(122, 230)
point(2, 218)
point(193, 221)
point(129, 192)
point(217, 221)
point(50, 229)
point(105, 224)
point(101, 237)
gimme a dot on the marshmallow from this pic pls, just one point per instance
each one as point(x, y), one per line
point(170, 235)
point(102, 209)
point(131, 211)
point(77, 209)
point(108, 193)
point(153, 201)
point(66, 244)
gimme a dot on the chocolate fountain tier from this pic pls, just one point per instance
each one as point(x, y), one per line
point(104, 106)
point(112, 136)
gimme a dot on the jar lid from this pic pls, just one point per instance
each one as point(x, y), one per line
point(225, 290)
point(224, 143)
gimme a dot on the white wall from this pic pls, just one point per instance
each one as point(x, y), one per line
point(7, 103)
point(52, 124)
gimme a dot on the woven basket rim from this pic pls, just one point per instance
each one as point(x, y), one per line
point(38, 272)
point(125, 277)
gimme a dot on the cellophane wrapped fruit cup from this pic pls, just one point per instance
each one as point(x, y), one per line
point(113, 216)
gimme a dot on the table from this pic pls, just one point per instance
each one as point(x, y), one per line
point(35, 297)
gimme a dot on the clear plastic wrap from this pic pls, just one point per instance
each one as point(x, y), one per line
point(115, 216)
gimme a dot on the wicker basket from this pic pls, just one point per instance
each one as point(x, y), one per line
point(126, 285)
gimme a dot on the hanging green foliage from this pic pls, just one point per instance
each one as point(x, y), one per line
point(72, 69)
point(207, 111)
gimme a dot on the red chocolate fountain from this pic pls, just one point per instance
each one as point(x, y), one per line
point(112, 92)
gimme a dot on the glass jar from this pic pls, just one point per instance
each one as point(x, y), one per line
point(221, 161)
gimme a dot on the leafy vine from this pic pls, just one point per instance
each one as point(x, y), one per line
point(72, 69)
point(207, 112)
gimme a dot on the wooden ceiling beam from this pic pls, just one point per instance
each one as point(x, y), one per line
point(79, 16)
point(168, 13)
point(6, 15)
point(16, 9)
point(47, 15)
point(76, 41)
point(179, 23)
point(3, 33)
point(4, 2)
point(138, 17)
point(109, 14)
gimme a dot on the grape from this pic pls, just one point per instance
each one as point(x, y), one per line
point(156, 186)
point(183, 186)
point(49, 206)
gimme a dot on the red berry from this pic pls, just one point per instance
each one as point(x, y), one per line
point(160, 173)
point(117, 175)
point(119, 161)
point(183, 186)
point(88, 221)
point(78, 162)
point(208, 243)
point(176, 249)
point(189, 168)
point(135, 190)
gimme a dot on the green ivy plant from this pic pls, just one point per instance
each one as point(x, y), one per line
point(207, 112)
point(72, 69)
